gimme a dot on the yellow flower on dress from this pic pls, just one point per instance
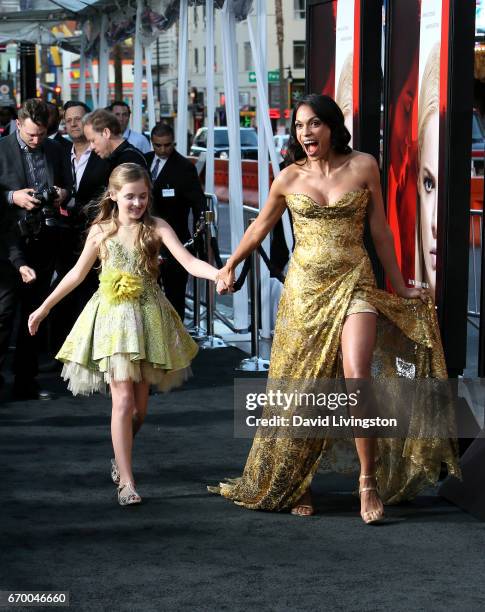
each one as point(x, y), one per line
point(119, 286)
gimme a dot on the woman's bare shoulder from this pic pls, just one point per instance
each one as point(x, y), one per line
point(363, 161)
point(286, 177)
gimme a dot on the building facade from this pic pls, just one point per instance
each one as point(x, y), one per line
point(165, 70)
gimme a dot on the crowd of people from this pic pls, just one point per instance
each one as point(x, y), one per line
point(49, 187)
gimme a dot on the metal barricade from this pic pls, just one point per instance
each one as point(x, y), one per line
point(255, 363)
point(211, 341)
point(476, 220)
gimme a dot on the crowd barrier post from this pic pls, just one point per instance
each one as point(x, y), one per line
point(211, 341)
point(254, 363)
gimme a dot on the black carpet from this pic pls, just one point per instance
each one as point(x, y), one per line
point(184, 549)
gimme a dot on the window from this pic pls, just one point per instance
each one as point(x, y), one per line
point(249, 138)
point(244, 97)
point(299, 8)
point(196, 17)
point(298, 54)
point(201, 139)
point(196, 60)
point(205, 58)
point(248, 60)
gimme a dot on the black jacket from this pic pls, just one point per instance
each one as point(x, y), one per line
point(64, 142)
point(94, 179)
point(178, 174)
point(125, 153)
point(12, 178)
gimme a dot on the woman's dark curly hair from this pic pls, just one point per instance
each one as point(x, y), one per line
point(328, 111)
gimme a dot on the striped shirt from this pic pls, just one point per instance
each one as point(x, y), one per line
point(35, 167)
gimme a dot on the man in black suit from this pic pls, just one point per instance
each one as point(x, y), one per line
point(103, 132)
point(176, 191)
point(29, 163)
point(89, 174)
point(53, 127)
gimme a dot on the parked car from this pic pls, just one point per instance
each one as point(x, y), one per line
point(249, 143)
point(478, 145)
point(281, 144)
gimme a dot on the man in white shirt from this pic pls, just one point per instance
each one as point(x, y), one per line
point(122, 112)
point(89, 172)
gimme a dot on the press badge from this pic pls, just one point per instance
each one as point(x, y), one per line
point(168, 193)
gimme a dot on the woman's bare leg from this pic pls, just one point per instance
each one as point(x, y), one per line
point(358, 342)
point(123, 398)
point(141, 404)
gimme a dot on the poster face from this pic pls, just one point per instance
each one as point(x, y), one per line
point(334, 55)
point(415, 134)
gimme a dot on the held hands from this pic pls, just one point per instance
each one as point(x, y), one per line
point(36, 318)
point(225, 280)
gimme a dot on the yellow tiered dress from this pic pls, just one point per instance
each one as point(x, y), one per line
point(329, 277)
point(127, 331)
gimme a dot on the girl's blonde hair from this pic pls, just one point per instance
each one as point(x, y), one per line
point(147, 241)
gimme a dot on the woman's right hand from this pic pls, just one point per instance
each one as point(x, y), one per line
point(36, 318)
point(228, 277)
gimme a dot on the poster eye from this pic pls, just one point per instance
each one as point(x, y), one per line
point(429, 184)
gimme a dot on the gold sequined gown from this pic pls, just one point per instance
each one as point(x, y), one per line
point(127, 331)
point(330, 276)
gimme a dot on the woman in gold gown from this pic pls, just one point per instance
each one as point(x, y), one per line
point(332, 319)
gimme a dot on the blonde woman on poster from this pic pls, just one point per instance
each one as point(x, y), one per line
point(428, 165)
point(344, 96)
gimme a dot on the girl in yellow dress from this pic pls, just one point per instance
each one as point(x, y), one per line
point(334, 322)
point(128, 335)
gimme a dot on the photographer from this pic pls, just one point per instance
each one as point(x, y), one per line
point(33, 177)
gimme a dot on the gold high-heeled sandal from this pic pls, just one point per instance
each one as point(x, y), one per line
point(371, 517)
point(127, 496)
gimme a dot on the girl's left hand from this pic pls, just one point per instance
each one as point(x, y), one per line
point(413, 293)
point(36, 319)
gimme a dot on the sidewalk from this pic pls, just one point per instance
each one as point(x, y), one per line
point(184, 549)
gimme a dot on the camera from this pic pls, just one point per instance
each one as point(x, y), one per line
point(45, 213)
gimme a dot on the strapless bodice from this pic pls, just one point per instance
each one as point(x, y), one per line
point(329, 236)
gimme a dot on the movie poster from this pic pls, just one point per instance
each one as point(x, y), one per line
point(417, 73)
point(334, 55)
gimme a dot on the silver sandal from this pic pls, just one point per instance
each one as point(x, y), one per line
point(127, 496)
point(115, 473)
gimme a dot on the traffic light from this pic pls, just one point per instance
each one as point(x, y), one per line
point(56, 95)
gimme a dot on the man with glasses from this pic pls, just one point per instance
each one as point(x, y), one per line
point(176, 192)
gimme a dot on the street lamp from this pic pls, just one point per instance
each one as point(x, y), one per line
point(289, 81)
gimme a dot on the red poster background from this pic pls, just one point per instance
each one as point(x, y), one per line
point(403, 73)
